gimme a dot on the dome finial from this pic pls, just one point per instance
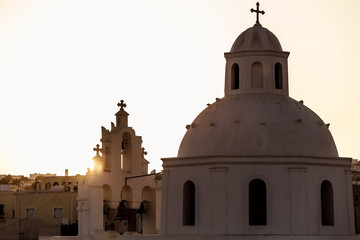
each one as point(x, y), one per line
point(257, 12)
point(121, 104)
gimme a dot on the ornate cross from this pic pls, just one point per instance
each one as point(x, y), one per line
point(143, 152)
point(121, 104)
point(257, 12)
point(97, 149)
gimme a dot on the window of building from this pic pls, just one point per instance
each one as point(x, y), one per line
point(327, 204)
point(235, 76)
point(257, 202)
point(30, 213)
point(2, 212)
point(56, 184)
point(58, 212)
point(189, 203)
point(47, 186)
point(257, 75)
point(278, 76)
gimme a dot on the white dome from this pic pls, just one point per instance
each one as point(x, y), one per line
point(257, 124)
point(256, 38)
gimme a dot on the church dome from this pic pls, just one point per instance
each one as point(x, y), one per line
point(256, 38)
point(257, 125)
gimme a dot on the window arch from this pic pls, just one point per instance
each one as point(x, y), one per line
point(189, 203)
point(47, 186)
point(257, 75)
point(107, 192)
point(55, 184)
point(278, 76)
point(257, 202)
point(126, 156)
point(235, 76)
point(327, 204)
point(126, 193)
point(147, 194)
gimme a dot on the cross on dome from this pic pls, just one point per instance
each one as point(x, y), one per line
point(97, 149)
point(121, 104)
point(257, 12)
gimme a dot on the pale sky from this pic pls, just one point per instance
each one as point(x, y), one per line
point(64, 65)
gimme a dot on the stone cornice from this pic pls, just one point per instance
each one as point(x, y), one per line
point(256, 53)
point(256, 160)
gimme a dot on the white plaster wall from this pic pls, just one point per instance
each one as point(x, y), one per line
point(293, 196)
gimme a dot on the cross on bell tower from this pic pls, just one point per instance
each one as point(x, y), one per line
point(257, 12)
point(121, 115)
point(97, 149)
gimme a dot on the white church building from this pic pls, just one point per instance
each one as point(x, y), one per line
point(255, 164)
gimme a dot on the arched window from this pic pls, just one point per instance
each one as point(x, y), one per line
point(278, 76)
point(235, 76)
point(147, 194)
point(327, 204)
point(47, 186)
point(55, 184)
point(257, 75)
point(189, 204)
point(107, 192)
point(257, 202)
point(126, 155)
point(126, 193)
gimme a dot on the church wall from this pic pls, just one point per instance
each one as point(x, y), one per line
point(293, 197)
point(176, 180)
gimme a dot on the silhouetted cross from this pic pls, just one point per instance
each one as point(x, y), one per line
point(97, 149)
point(143, 152)
point(122, 105)
point(257, 12)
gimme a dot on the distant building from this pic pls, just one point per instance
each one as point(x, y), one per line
point(50, 203)
point(69, 183)
point(33, 213)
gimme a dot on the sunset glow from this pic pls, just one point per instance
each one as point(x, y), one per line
point(64, 65)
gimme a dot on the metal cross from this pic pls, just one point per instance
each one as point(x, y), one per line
point(143, 152)
point(121, 104)
point(257, 12)
point(97, 149)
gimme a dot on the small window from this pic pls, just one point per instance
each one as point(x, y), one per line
point(257, 202)
point(189, 204)
point(30, 213)
point(235, 76)
point(58, 212)
point(278, 76)
point(2, 212)
point(327, 204)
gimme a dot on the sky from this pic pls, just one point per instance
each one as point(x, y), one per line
point(64, 66)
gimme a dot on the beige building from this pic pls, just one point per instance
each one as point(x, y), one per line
point(68, 183)
point(32, 213)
